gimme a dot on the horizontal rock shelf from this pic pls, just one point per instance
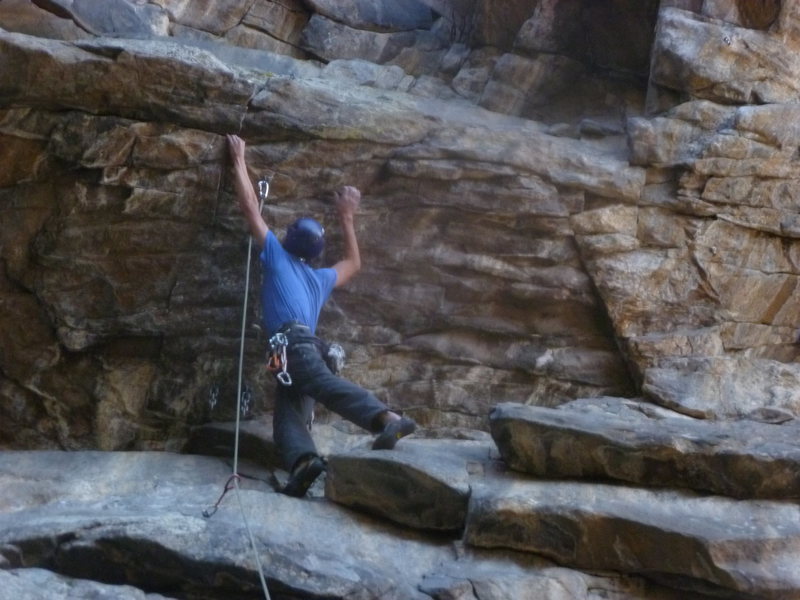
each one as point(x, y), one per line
point(91, 516)
point(744, 459)
point(505, 575)
point(700, 543)
point(136, 519)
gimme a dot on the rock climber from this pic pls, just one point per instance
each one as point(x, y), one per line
point(292, 296)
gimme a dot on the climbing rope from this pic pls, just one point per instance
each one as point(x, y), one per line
point(233, 480)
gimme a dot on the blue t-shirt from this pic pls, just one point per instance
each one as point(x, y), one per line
point(290, 289)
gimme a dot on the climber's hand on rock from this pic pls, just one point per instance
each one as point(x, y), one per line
point(347, 198)
point(236, 146)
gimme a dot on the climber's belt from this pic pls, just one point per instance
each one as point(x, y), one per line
point(293, 334)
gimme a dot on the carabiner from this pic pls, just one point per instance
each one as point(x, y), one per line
point(263, 189)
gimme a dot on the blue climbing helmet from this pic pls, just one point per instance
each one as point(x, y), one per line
point(305, 238)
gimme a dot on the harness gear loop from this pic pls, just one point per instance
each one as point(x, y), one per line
point(277, 363)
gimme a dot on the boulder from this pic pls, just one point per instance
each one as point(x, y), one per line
point(743, 459)
point(423, 484)
point(700, 543)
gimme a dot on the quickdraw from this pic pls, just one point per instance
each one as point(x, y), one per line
point(276, 359)
point(229, 485)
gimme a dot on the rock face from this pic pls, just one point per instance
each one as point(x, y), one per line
point(539, 261)
point(124, 254)
point(563, 199)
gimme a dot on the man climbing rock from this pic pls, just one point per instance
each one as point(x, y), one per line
point(292, 296)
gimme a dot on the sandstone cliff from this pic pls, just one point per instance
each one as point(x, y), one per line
point(563, 199)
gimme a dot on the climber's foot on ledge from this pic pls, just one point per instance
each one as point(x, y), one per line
point(393, 431)
point(303, 475)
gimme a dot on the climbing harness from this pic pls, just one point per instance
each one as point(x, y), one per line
point(277, 363)
point(233, 480)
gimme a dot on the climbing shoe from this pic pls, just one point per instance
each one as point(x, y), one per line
point(393, 431)
point(303, 475)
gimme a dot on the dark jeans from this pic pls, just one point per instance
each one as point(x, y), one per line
point(311, 378)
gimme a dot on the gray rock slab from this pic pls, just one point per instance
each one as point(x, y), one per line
point(137, 519)
point(750, 548)
point(549, 156)
point(117, 18)
point(435, 129)
point(424, 484)
point(37, 584)
point(723, 387)
point(258, 64)
point(715, 60)
point(743, 459)
point(331, 40)
point(31, 479)
point(385, 15)
point(186, 85)
point(367, 73)
point(505, 575)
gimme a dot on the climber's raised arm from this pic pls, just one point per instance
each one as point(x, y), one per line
point(245, 193)
point(347, 199)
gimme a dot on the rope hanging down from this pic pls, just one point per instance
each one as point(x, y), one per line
point(233, 480)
